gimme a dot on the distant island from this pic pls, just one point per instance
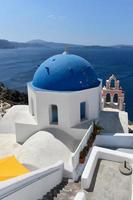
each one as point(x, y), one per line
point(5, 44)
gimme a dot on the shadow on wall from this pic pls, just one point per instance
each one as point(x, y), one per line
point(93, 182)
point(65, 138)
point(110, 121)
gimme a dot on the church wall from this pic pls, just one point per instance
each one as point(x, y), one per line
point(32, 102)
point(91, 97)
point(68, 105)
point(44, 102)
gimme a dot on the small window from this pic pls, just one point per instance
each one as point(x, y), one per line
point(115, 98)
point(112, 83)
point(54, 114)
point(82, 111)
point(108, 98)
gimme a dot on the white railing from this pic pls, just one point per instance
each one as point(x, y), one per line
point(33, 185)
point(82, 144)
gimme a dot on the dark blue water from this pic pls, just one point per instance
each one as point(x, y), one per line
point(17, 66)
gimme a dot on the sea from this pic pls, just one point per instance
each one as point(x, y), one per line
point(17, 66)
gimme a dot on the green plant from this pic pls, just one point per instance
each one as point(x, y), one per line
point(86, 149)
point(97, 128)
point(82, 157)
point(91, 137)
point(82, 154)
point(90, 142)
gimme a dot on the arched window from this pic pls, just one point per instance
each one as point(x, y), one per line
point(82, 111)
point(108, 98)
point(112, 83)
point(54, 114)
point(115, 98)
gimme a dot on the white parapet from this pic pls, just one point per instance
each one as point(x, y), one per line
point(101, 153)
point(82, 144)
point(33, 185)
point(78, 169)
point(118, 140)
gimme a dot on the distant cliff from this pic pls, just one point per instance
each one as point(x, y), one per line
point(13, 97)
point(5, 44)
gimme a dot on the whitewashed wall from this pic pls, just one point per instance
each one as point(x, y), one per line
point(68, 105)
point(68, 111)
point(116, 141)
point(7, 123)
point(101, 153)
point(24, 131)
point(33, 185)
point(32, 102)
point(83, 143)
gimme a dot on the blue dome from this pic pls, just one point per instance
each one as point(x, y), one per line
point(65, 72)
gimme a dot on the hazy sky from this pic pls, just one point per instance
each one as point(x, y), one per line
point(103, 22)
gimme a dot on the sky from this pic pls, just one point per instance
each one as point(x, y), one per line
point(88, 22)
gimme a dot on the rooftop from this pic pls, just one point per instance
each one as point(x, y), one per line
point(113, 121)
point(108, 183)
point(83, 124)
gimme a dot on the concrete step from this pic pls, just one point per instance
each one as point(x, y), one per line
point(66, 190)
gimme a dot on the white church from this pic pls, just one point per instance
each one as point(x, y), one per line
point(48, 136)
point(64, 94)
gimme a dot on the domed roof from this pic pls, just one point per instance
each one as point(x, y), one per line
point(65, 72)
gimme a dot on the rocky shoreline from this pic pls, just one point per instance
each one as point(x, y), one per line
point(13, 97)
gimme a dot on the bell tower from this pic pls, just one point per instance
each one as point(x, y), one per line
point(112, 94)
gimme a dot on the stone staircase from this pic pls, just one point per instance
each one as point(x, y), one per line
point(66, 190)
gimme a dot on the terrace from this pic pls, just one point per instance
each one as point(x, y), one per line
point(109, 183)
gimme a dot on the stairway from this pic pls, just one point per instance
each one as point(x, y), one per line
point(66, 190)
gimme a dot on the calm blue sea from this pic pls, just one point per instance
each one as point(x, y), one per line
point(17, 66)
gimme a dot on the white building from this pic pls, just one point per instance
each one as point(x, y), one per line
point(64, 93)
